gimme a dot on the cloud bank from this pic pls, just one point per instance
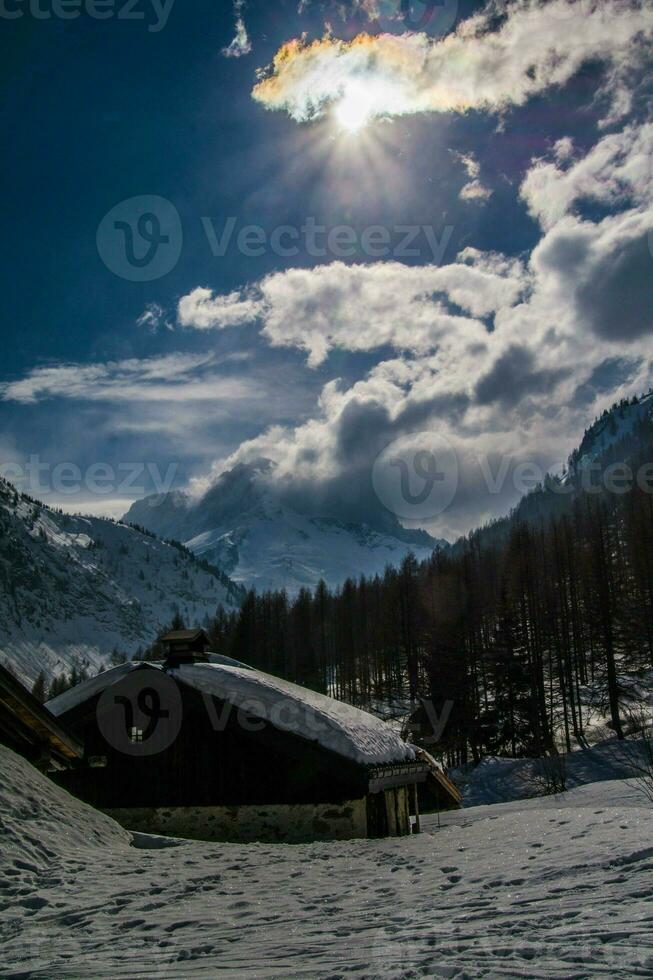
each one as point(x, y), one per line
point(536, 46)
point(365, 307)
point(508, 360)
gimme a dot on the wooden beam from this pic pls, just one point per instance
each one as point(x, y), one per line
point(418, 827)
point(392, 782)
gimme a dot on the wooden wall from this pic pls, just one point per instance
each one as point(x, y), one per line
point(204, 767)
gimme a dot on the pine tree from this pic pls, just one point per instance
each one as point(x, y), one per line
point(39, 688)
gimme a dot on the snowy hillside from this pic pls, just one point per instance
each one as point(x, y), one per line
point(242, 525)
point(623, 433)
point(612, 427)
point(74, 588)
point(552, 888)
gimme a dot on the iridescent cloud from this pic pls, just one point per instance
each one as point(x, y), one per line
point(481, 65)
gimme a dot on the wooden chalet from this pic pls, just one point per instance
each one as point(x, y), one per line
point(28, 728)
point(206, 747)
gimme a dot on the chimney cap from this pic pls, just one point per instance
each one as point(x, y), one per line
point(185, 636)
point(186, 645)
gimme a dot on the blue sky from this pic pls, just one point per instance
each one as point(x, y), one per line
point(533, 183)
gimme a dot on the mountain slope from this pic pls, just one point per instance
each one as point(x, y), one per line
point(75, 588)
point(243, 525)
point(622, 434)
point(622, 425)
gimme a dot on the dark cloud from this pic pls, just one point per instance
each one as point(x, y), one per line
point(608, 375)
point(565, 253)
point(513, 376)
point(362, 431)
point(348, 497)
point(365, 427)
point(420, 412)
point(617, 300)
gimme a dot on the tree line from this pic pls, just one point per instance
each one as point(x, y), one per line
point(515, 634)
point(512, 637)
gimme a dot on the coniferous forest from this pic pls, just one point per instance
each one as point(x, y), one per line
point(515, 633)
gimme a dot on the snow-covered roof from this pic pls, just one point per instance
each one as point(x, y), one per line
point(219, 658)
point(348, 731)
point(339, 727)
point(94, 685)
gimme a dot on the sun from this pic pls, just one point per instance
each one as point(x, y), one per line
point(352, 115)
point(356, 108)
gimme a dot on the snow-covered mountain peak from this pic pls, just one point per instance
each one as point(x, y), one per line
point(245, 524)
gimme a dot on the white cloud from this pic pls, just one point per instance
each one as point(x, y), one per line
point(241, 44)
point(364, 307)
point(360, 307)
point(487, 63)
point(202, 310)
point(153, 317)
point(173, 378)
point(563, 149)
point(617, 171)
point(595, 277)
point(474, 189)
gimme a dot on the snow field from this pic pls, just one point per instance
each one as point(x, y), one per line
point(553, 887)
